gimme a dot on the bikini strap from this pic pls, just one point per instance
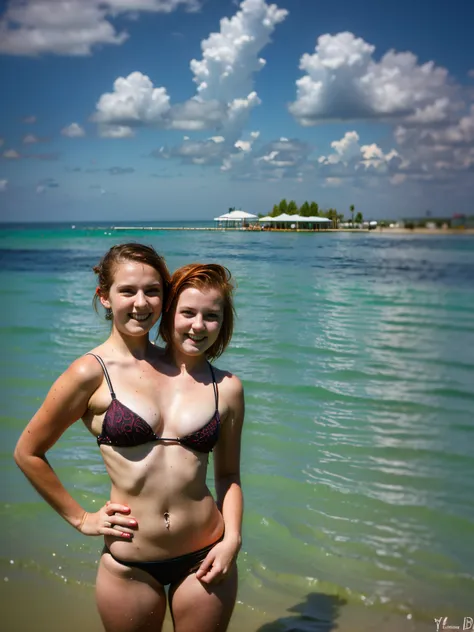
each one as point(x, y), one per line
point(106, 374)
point(214, 384)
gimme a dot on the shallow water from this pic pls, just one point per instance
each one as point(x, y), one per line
point(357, 356)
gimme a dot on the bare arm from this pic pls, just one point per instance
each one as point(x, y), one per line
point(219, 561)
point(227, 464)
point(65, 403)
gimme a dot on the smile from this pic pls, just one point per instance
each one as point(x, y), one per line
point(196, 338)
point(139, 317)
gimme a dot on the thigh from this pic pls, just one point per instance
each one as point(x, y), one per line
point(128, 599)
point(197, 607)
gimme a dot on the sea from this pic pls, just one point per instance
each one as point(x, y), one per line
point(356, 351)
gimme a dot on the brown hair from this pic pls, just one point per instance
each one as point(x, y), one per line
point(127, 252)
point(201, 276)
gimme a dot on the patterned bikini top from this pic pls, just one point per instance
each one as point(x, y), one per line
point(124, 428)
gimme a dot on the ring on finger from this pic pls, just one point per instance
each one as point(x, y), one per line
point(107, 524)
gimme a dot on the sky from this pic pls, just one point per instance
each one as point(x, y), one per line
point(113, 110)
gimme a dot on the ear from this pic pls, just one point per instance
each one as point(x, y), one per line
point(105, 302)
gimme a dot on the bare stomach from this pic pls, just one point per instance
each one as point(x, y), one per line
point(167, 527)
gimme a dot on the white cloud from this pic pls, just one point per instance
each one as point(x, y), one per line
point(2, 140)
point(115, 131)
point(343, 81)
point(3, 185)
point(11, 154)
point(224, 78)
point(30, 139)
point(71, 27)
point(471, 73)
point(134, 101)
point(29, 120)
point(73, 131)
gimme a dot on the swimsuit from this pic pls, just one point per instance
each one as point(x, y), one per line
point(124, 428)
point(173, 570)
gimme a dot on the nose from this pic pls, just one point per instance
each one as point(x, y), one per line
point(140, 299)
point(198, 323)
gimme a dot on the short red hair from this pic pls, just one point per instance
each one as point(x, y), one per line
point(202, 276)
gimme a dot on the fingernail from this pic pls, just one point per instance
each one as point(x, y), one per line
point(125, 535)
point(132, 522)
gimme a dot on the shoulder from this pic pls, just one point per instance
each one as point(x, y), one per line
point(86, 372)
point(228, 383)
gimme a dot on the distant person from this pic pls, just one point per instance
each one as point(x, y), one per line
point(156, 415)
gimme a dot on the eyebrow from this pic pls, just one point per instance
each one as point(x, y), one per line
point(150, 285)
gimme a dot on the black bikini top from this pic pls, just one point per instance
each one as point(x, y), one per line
point(124, 428)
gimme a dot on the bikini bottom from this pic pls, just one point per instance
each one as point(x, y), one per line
point(173, 570)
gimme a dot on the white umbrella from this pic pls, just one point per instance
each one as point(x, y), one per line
point(235, 216)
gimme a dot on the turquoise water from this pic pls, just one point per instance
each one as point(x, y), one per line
point(357, 356)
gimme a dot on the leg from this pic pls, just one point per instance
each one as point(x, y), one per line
point(128, 599)
point(196, 607)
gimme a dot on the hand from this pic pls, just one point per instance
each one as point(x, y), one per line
point(218, 562)
point(112, 519)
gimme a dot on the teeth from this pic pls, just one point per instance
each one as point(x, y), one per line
point(139, 317)
point(196, 338)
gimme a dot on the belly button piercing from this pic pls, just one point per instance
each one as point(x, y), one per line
point(166, 516)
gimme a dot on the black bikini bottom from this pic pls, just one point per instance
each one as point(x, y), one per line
point(173, 570)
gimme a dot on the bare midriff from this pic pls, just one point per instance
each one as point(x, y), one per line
point(165, 487)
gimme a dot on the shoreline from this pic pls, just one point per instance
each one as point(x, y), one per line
point(379, 230)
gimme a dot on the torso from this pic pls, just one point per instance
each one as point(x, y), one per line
point(157, 477)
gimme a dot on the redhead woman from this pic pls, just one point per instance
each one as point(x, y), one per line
point(157, 414)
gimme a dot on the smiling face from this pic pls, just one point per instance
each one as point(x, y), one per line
point(197, 320)
point(135, 297)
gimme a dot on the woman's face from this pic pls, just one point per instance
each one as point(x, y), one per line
point(135, 297)
point(197, 320)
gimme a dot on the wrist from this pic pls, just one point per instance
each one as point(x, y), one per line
point(80, 523)
point(233, 536)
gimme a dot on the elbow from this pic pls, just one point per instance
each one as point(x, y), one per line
point(21, 456)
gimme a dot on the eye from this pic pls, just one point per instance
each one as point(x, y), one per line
point(187, 312)
point(127, 291)
point(156, 291)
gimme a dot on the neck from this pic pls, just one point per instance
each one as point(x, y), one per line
point(186, 363)
point(137, 346)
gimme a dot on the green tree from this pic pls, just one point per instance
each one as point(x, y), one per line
point(352, 209)
point(292, 208)
point(231, 208)
point(333, 215)
point(283, 206)
point(275, 211)
point(359, 218)
point(305, 210)
point(314, 209)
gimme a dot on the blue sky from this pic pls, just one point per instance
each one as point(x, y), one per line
point(179, 109)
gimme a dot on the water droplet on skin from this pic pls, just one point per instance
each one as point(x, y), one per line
point(12, 561)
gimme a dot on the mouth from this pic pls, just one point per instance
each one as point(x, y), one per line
point(196, 338)
point(139, 317)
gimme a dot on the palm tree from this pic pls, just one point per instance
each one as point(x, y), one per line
point(352, 209)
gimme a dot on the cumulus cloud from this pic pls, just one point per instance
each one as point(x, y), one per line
point(74, 130)
point(32, 139)
point(11, 154)
point(115, 131)
point(29, 120)
point(224, 77)
point(71, 27)
point(344, 81)
point(134, 101)
point(350, 157)
point(3, 185)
